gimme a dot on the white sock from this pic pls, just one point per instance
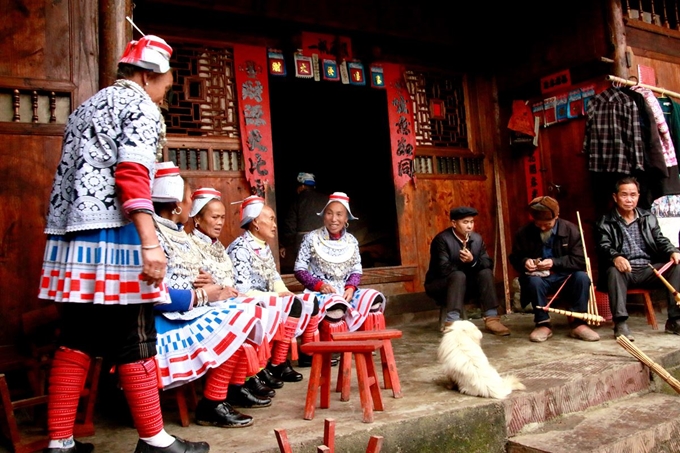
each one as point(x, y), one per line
point(161, 440)
point(62, 443)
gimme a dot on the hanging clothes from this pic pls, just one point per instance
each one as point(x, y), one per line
point(671, 111)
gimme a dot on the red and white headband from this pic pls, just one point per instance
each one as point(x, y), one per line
point(202, 197)
point(343, 199)
point(250, 209)
point(150, 52)
point(168, 185)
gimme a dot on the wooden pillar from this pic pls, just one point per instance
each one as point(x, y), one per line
point(114, 34)
point(617, 38)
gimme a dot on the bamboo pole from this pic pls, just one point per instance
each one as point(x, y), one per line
point(642, 357)
point(631, 83)
point(589, 317)
point(672, 290)
point(592, 300)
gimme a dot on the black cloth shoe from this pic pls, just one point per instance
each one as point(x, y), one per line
point(178, 446)
point(621, 328)
point(79, 447)
point(220, 413)
point(257, 388)
point(673, 326)
point(305, 361)
point(240, 396)
point(268, 379)
point(285, 372)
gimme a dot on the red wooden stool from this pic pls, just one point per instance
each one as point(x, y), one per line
point(374, 443)
point(389, 366)
point(320, 374)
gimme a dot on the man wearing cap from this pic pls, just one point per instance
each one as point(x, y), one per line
point(458, 261)
point(630, 243)
point(547, 253)
point(301, 218)
point(101, 205)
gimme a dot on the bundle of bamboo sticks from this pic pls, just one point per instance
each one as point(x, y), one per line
point(590, 318)
point(642, 357)
point(592, 300)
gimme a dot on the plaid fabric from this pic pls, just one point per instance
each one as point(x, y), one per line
point(634, 247)
point(613, 138)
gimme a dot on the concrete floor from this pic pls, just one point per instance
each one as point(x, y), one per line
point(426, 398)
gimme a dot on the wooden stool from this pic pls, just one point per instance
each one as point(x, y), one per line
point(185, 397)
point(649, 308)
point(320, 374)
point(389, 366)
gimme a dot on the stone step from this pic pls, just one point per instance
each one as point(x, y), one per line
point(644, 422)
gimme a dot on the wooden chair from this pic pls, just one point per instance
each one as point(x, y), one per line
point(374, 443)
point(603, 300)
point(389, 365)
point(320, 374)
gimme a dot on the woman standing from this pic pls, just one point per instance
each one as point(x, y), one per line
point(329, 266)
point(102, 261)
point(255, 274)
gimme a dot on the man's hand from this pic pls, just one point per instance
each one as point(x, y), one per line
point(675, 257)
point(545, 264)
point(623, 265)
point(466, 256)
point(530, 265)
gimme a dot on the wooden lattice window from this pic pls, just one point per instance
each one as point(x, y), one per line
point(202, 101)
point(439, 109)
point(205, 154)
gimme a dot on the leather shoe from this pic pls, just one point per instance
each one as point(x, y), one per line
point(220, 413)
point(257, 388)
point(178, 446)
point(79, 447)
point(494, 325)
point(305, 361)
point(540, 334)
point(284, 372)
point(268, 379)
point(585, 333)
point(240, 396)
point(621, 328)
point(673, 326)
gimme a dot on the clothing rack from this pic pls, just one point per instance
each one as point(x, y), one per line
point(662, 91)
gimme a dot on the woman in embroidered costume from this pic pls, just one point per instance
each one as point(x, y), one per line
point(208, 214)
point(255, 274)
point(208, 331)
point(102, 257)
point(329, 265)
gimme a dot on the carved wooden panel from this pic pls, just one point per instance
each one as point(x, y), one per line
point(439, 108)
point(34, 106)
point(202, 101)
point(205, 153)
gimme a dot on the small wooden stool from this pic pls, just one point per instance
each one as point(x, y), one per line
point(649, 307)
point(389, 366)
point(320, 374)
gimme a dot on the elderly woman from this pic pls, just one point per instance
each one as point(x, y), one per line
point(256, 274)
point(208, 214)
point(102, 259)
point(205, 330)
point(329, 265)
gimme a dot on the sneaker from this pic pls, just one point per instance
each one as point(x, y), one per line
point(178, 446)
point(673, 326)
point(540, 334)
point(493, 324)
point(621, 328)
point(585, 333)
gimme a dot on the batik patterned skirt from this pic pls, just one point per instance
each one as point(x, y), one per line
point(97, 266)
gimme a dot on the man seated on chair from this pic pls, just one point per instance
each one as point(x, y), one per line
point(629, 240)
point(548, 254)
point(458, 259)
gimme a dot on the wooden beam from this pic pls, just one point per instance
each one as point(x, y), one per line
point(114, 33)
point(617, 38)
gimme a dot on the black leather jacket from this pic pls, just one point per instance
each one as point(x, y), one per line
point(609, 240)
point(445, 259)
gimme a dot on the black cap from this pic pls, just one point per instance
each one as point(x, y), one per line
point(463, 211)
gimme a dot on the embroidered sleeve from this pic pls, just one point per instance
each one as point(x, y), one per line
point(353, 280)
point(242, 261)
point(141, 128)
point(308, 280)
point(304, 255)
point(133, 183)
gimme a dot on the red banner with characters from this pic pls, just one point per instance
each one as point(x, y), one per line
point(252, 88)
point(533, 175)
point(400, 117)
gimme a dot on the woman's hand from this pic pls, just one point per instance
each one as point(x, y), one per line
point(327, 289)
point(154, 266)
point(204, 278)
point(228, 292)
point(349, 293)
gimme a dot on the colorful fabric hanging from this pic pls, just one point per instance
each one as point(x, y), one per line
point(356, 73)
point(277, 64)
point(330, 70)
point(377, 77)
point(303, 66)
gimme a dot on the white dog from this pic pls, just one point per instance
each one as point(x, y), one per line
point(467, 367)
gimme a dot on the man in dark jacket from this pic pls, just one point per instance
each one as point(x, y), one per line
point(629, 241)
point(548, 253)
point(458, 260)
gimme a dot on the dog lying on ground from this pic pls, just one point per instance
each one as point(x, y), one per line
point(466, 365)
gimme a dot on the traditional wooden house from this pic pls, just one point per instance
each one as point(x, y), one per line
point(402, 105)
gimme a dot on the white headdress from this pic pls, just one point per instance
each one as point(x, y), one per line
point(168, 185)
point(343, 199)
point(201, 197)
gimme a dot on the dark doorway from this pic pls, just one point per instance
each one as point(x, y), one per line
point(340, 134)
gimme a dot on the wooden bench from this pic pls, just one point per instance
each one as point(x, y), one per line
point(320, 374)
point(389, 366)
